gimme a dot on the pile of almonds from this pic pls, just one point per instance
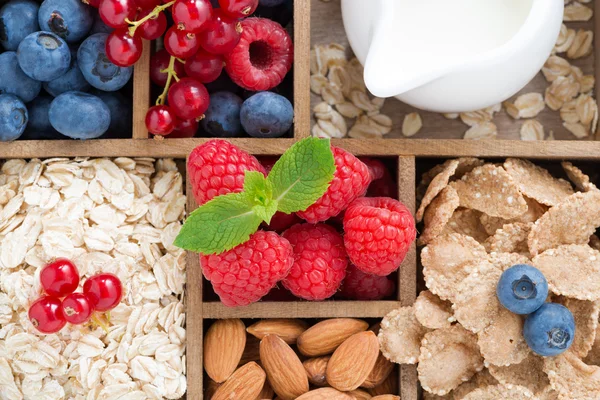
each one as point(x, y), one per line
point(334, 359)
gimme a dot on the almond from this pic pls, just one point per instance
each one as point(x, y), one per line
point(315, 369)
point(390, 385)
point(245, 383)
point(359, 394)
point(383, 367)
point(325, 394)
point(266, 392)
point(386, 397)
point(324, 337)
point(286, 328)
point(224, 344)
point(353, 361)
point(284, 369)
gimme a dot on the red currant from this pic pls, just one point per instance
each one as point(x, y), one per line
point(160, 120)
point(147, 4)
point(104, 291)
point(222, 34)
point(204, 66)
point(160, 61)
point(153, 28)
point(188, 98)
point(92, 3)
point(122, 49)
point(114, 12)
point(184, 128)
point(77, 308)
point(238, 8)
point(192, 15)
point(180, 44)
point(59, 278)
point(46, 314)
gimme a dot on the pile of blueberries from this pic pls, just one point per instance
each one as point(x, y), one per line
point(549, 328)
point(59, 45)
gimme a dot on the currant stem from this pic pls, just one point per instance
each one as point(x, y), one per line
point(171, 74)
point(98, 320)
point(157, 10)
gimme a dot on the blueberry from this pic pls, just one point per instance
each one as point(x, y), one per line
point(18, 19)
point(222, 119)
point(522, 289)
point(120, 113)
point(13, 117)
point(14, 81)
point(270, 3)
point(267, 115)
point(43, 56)
point(550, 330)
point(97, 68)
point(73, 80)
point(79, 115)
point(99, 26)
point(69, 19)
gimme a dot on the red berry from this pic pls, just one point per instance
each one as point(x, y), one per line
point(203, 66)
point(180, 44)
point(320, 261)
point(281, 221)
point(77, 308)
point(184, 128)
point(192, 15)
point(160, 61)
point(59, 278)
point(246, 273)
point(350, 180)
point(222, 33)
point(104, 291)
point(114, 12)
point(92, 3)
point(238, 8)
point(147, 4)
point(122, 49)
point(188, 98)
point(378, 232)
point(217, 167)
point(360, 286)
point(383, 187)
point(263, 56)
point(46, 315)
point(160, 120)
point(153, 28)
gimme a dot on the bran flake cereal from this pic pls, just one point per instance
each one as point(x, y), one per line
point(448, 357)
point(586, 315)
point(534, 211)
point(433, 312)
point(501, 392)
point(579, 179)
point(480, 379)
point(438, 183)
point(502, 342)
point(466, 222)
point(572, 378)
point(400, 336)
point(503, 261)
point(438, 213)
point(511, 238)
point(528, 373)
point(491, 190)
point(593, 356)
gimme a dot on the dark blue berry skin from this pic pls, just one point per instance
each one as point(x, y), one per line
point(550, 330)
point(18, 19)
point(43, 56)
point(222, 119)
point(97, 68)
point(79, 115)
point(120, 114)
point(72, 80)
point(14, 81)
point(522, 289)
point(69, 19)
point(270, 3)
point(13, 117)
point(267, 115)
point(99, 26)
point(39, 122)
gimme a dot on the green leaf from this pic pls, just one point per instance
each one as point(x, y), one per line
point(302, 174)
point(266, 212)
point(219, 225)
point(260, 191)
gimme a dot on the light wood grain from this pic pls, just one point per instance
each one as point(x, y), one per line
point(141, 93)
point(301, 69)
point(327, 27)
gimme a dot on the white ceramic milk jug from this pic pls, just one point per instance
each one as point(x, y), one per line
point(451, 55)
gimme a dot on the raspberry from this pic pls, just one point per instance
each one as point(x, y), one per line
point(360, 286)
point(320, 261)
point(378, 234)
point(244, 274)
point(217, 167)
point(382, 184)
point(263, 56)
point(351, 179)
point(376, 167)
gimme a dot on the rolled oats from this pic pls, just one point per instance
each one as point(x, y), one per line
point(412, 124)
point(582, 44)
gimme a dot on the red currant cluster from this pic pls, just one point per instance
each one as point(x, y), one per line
point(60, 279)
point(204, 40)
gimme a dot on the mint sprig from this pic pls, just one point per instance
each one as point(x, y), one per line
point(297, 180)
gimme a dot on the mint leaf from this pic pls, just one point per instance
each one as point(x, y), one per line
point(219, 225)
point(302, 174)
point(266, 212)
point(260, 191)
